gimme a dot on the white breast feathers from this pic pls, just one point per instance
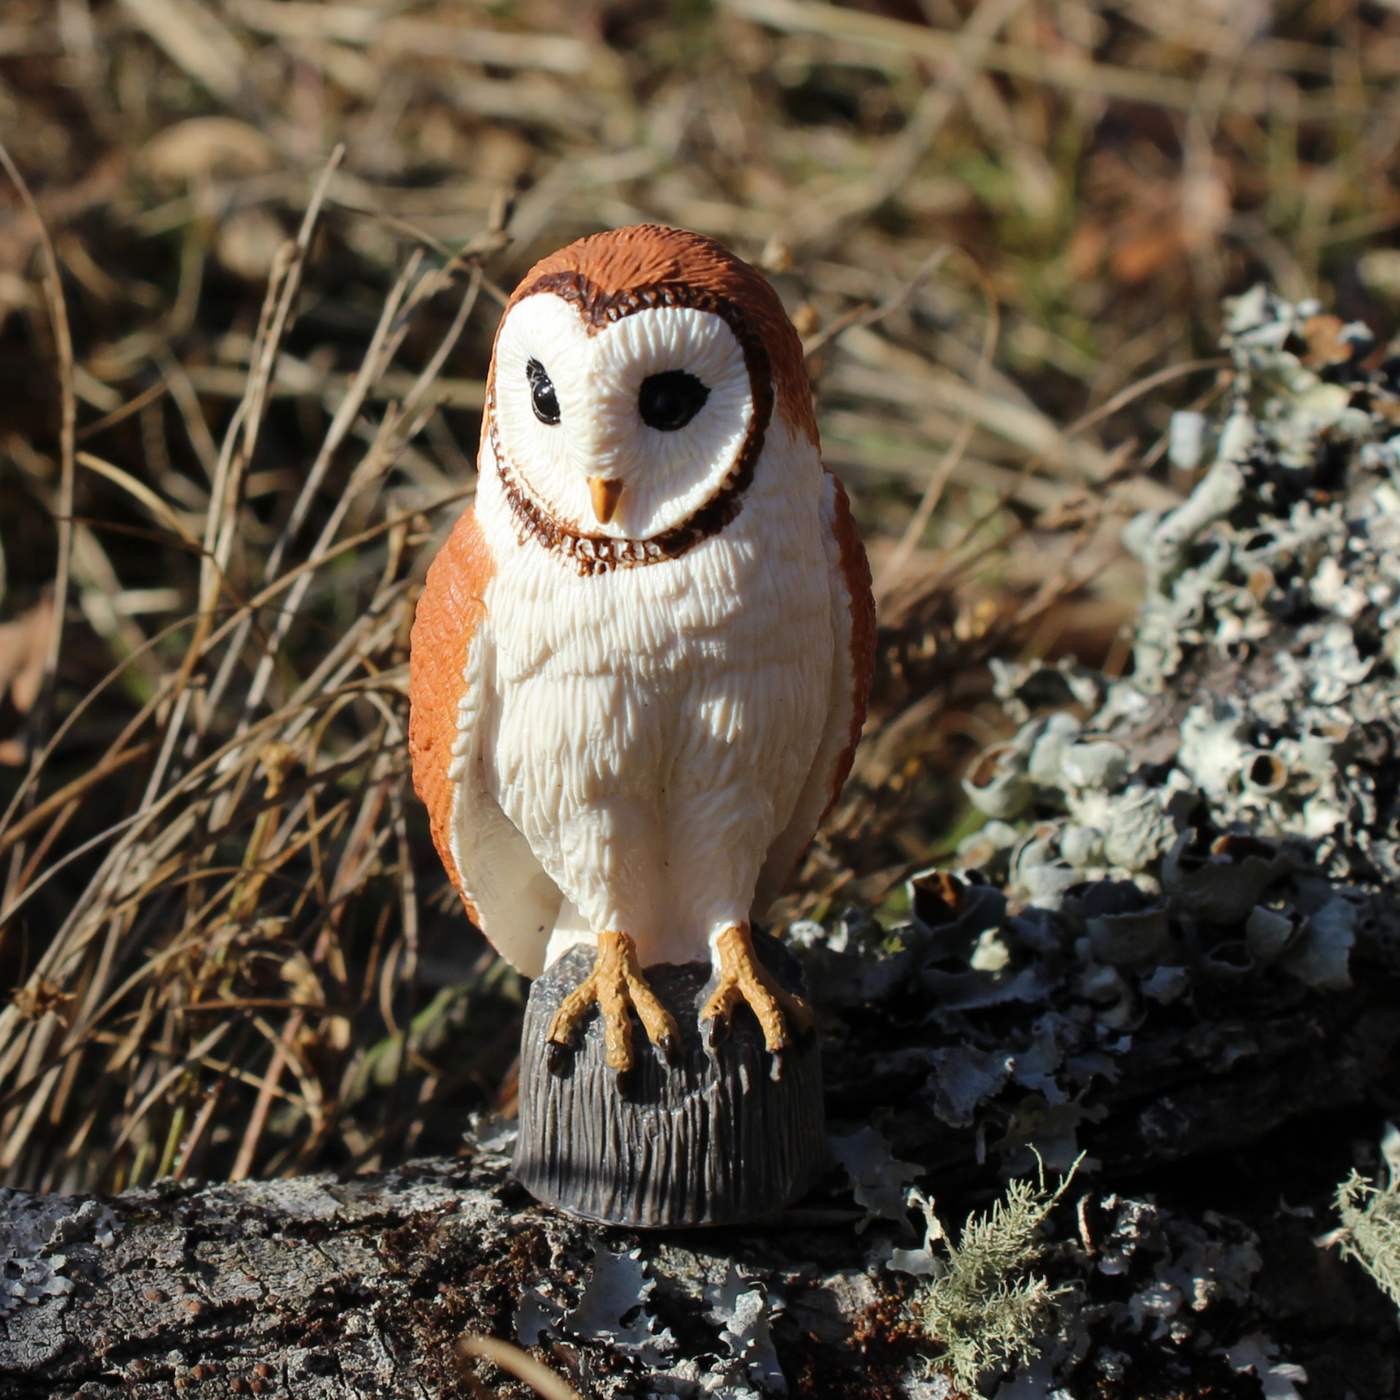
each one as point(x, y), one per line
point(648, 730)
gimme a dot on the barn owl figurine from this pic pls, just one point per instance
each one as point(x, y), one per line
point(640, 662)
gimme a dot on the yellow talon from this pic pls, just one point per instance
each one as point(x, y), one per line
point(743, 978)
point(616, 984)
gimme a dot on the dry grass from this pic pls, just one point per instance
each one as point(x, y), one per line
point(214, 932)
point(1003, 230)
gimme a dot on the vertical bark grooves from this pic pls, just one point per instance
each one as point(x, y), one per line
point(711, 1140)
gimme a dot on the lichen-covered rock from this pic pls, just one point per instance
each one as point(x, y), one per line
point(1211, 838)
point(37, 1235)
point(1250, 763)
point(346, 1290)
point(1178, 930)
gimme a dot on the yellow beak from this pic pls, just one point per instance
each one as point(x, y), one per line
point(606, 495)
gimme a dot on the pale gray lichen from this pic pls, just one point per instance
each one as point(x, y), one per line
point(36, 1236)
point(742, 1307)
point(878, 1180)
point(615, 1311)
point(744, 1365)
point(1242, 780)
point(1277, 1379)
point(612, 1309)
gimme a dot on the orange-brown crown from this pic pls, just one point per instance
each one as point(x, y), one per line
point(690, 268)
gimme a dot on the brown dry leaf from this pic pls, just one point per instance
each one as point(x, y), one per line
point(1068, 514)
point(1153, 221)
point(1085, 252)
point(1206, 205)
point(23, 643)
point(201, 147)
point(1150, 234)
point(306, 989)
point(43, 997)
point(976, 618)
point(1325, 343)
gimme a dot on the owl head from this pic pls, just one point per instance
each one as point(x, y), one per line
point(635, 377)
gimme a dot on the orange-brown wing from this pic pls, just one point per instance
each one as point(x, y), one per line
point(853, 664)
point(506, 892)
point(447, 618)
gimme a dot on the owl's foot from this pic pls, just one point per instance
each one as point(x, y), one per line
point(743, 978)
point(617, 986)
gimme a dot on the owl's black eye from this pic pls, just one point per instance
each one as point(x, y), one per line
point(670, 400)
point(542, 396)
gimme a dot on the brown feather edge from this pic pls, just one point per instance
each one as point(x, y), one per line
point(449, 611)
point(855, 569)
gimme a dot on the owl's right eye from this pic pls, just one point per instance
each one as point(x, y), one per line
point(543, 399)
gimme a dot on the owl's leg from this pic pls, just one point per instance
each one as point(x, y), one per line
point(617, 987)
point(742, 978)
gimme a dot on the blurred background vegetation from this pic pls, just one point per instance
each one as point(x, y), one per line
point(280, 232)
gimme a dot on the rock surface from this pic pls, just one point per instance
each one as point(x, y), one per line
point(314, 1287)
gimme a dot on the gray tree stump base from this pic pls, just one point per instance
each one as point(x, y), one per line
point(712, 1139)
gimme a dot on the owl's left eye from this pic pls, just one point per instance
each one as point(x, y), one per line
point(668, 401)
point(543, 399)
